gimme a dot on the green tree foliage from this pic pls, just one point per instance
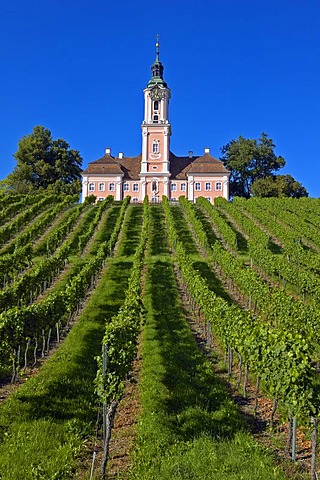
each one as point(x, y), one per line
point(278, 186)
point(43, 162)
point(249, 160)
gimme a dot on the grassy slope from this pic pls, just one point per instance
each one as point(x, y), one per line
point(189, 428)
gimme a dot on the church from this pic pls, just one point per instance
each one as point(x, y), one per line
point(156, 171)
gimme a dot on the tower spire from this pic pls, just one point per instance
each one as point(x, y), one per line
point(157, 48)
point(157, 68)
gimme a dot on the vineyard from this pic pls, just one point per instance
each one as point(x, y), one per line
point(208, 313)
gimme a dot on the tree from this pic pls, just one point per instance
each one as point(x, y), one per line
point(44, 162)
point(249, 160)
point(278, 186)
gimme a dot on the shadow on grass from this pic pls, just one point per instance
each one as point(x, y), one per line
point(274, 248)
point(206, 225)
point(105, 232)
point(197, 401)
point(131, 231)
point(242, 243)
point(213, 282)
point(158, 237)
point(183, 230)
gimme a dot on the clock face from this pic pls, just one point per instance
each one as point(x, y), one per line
point(156, 93)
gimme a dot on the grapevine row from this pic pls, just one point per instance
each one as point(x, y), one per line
point(225, 230)
point(280, 310)
point(13, 227)
point(18, 325)
point(26, 288)
point(284, 266)
point(121, 332)
point(279, 357)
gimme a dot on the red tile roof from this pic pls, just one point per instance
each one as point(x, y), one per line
point(180, 167)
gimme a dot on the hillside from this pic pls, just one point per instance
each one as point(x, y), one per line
point(240, 279)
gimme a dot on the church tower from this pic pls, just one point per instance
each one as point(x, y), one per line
point(156, 132)
point(156, 171)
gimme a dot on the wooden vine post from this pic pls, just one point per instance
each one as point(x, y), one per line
point(314, 448)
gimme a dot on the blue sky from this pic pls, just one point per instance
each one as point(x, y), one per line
point(235, 67)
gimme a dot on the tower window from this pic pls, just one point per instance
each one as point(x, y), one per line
point(156, 105)
point(155, 118)
point(154, 186)
point(155, 146)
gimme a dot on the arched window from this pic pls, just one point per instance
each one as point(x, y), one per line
point(91, 187)
point(156, 105)
point(155, 146)
point(154, 186)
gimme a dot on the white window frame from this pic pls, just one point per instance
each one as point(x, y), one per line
point(135, 187)
point(126, 187)
point(173, 187)
point(218, 187)
point(135, 200)
point(208, 187)
point(197, 186)
point(183, 187)
point(155, 146)
point(92, 187)
point(112, 187)
point(101, 187)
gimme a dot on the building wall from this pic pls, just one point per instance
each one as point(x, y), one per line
point(155, 187)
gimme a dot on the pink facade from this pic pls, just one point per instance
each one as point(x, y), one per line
point(157, 171)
